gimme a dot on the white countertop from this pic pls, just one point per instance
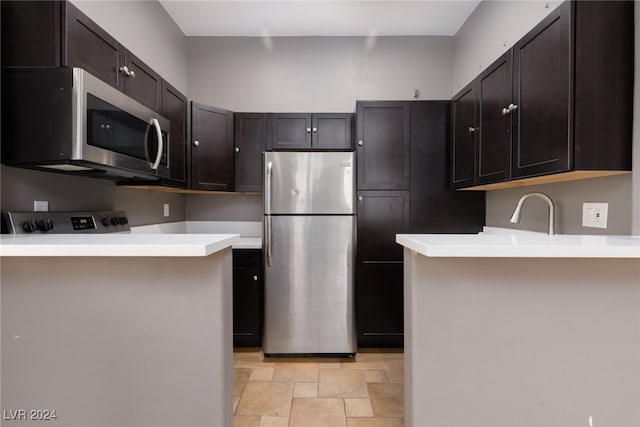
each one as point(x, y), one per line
point(249, 231)
point(521, 245)
point(248, 243)
point(111, 245)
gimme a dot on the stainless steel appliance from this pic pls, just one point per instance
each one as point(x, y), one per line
point(309, 249)
point(65, 222)
point(66, 120)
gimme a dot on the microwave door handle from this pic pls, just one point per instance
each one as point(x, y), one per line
point(155, 124)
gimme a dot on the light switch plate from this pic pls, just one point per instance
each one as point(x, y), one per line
point(40, 206)
point(595, 215)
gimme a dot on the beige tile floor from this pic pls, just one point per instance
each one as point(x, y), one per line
point(366, 392)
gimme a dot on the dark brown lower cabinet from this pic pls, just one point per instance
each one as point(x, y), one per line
point(379, 304)
point(379, 278)
point(428, 207)
point(248, 298)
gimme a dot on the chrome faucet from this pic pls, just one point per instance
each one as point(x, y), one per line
point(515, 218)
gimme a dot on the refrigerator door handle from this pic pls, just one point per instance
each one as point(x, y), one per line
point(267, 233)
point(267, 190)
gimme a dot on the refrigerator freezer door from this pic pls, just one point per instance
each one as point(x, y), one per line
point(309, 288)
point(309, 183)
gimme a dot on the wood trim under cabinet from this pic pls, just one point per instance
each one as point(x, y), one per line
point(546, 179)
point(188, 191)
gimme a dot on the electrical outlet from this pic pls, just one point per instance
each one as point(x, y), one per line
point(595, 215)
point(166, 209)
point(40, 206)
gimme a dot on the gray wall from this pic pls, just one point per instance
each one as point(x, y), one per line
point(316, 74)
point(226, 207)
point(492, 28)
point(146, 29)
point(20, 187)
point(568, 198)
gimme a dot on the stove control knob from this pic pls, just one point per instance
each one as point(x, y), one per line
point(45, 225)
point(122, 220)
point(106, 222)
point(114, 220)
point(29, 226)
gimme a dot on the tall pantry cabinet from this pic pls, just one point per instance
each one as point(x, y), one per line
point(403, 187)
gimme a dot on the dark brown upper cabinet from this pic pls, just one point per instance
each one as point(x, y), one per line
point(141, 82)
point(573, 87)
point(250, 142)
point(211, 148)
point(56, 33)
point(383, 145)
point(542, 95)
point(493, 123)
point(305, 131)
point(463, 140)
point(571, 100)
point(331, 131)
point(291, 131)
point(174, 108)
point(86, 45)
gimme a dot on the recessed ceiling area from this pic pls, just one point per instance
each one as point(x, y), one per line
point(319, 18)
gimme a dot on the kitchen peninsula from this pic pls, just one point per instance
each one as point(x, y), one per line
point(119, 329)
point(523, 330)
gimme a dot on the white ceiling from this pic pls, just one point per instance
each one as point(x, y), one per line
point(319, 18)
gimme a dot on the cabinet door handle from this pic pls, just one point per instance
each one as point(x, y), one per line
point(509, 109)
point(237, 149)
point(308, 130)
point(361, 143)
point(359, 198)
point(315, 130)
point(125, 70)
point(255, 278)
point(472, 129)
point(196, 142)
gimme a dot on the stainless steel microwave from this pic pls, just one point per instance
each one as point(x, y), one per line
point(66, 120)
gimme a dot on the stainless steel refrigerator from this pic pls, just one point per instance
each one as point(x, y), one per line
point(309, 249)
